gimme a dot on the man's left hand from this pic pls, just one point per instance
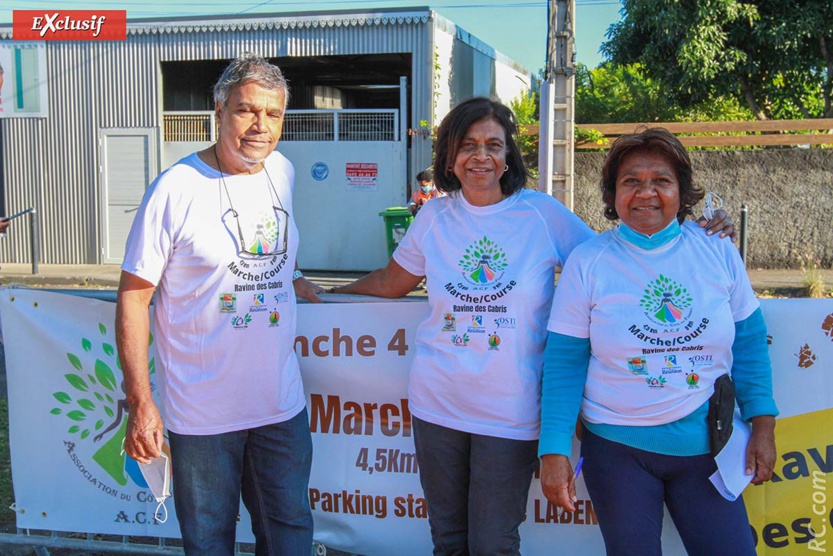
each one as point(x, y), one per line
point(720, 223)
point(307, 290)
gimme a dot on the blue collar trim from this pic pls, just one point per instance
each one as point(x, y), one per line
point(644, 241)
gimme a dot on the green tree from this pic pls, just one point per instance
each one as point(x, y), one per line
point(614, 93)
point(776, 56)
point(526, 111)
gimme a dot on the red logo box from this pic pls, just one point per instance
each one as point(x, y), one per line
point(69, 25)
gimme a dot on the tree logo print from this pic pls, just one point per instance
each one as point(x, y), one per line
point(665, 301)
point(95, 404)
point(266, 234)
point(483, 262)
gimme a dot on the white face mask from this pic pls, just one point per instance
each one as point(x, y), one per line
point(426, 188)
point(157, 473)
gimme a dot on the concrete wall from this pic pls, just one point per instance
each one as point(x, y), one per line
point(789, 193)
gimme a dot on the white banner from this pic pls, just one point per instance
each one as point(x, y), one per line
point(67, 421)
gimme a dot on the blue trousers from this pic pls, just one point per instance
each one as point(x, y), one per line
point(629, 486)
point(269, 465)
point(475, 487)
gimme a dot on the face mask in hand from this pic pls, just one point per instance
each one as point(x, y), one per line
point(157, 473)
point(711, 203)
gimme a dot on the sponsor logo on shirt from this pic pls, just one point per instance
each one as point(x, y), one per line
point(655, 381)
point(505, 322)
point(476, 326)
point(638, 365)
point(274, 319)
point(700, 361)
point(228, 303)
point(460, 340)
point(494, 342)
point(670, 365)
point(258, 303)
point(282, 297)
point(241, 323)
point(449, 322)
point(693, 380)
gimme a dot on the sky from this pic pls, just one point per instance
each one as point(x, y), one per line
point(516, 28)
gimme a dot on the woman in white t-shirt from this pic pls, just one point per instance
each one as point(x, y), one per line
point(489, 250)
point(646, 318)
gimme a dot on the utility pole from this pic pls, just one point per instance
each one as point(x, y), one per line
point(556, 138)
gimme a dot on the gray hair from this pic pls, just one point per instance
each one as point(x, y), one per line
point(249, 68)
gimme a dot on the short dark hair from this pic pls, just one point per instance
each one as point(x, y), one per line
point(653, 140)
point(453, 129)
point(249, 68)
point(426, 175)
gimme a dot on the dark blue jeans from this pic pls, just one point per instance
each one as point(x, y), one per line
point(629, 486)
point(269, 465)
point(476, 488)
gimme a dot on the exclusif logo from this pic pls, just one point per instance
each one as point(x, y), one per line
point(69, 25)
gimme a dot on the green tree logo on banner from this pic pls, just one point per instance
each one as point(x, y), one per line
point(95, 404)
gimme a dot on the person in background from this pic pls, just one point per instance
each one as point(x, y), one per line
point(646, 317)
point(490, 249)
point(216, 235)
point(427, 191)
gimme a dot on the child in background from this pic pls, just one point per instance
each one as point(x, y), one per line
point(426, 191)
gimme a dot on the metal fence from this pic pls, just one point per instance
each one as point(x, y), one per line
point(190, 126)
point(299, 125)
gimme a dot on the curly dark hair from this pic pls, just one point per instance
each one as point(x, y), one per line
point(452, 131)
point(654, 140)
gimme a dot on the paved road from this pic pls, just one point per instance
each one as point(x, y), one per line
point(107, 276)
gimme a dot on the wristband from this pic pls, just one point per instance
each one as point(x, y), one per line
point(297, 274)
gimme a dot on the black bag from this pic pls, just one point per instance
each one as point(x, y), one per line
point(721, 414)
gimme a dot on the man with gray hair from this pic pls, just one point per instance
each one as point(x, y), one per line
point(216, 236)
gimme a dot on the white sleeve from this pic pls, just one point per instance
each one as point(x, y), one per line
point(567, 231)
point(570, 314)
point(742, 299)
point(150, 242)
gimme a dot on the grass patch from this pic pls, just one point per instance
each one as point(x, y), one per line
point(813, 283)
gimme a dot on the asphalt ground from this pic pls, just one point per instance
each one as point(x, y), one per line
point(765, 281)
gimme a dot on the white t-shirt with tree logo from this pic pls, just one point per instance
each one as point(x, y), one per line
point(490, 273)
point(224, 320)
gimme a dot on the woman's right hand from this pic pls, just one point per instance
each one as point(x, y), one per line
point(558, 482)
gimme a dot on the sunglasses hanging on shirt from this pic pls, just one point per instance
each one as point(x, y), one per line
point(266, 238)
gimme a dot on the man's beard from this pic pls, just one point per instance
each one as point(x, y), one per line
point(251, 160)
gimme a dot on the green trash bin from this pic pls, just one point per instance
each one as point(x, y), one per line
point(397, 220)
